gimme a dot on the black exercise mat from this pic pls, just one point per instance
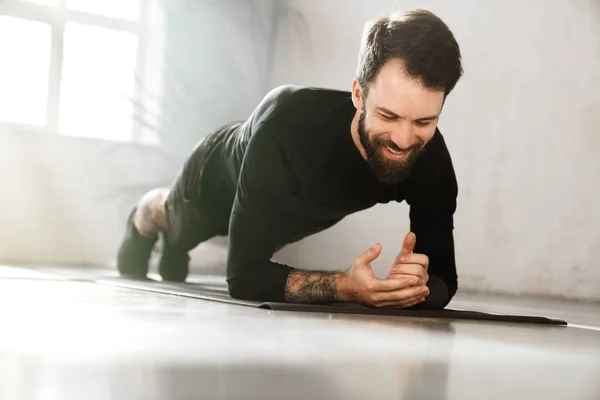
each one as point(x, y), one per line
point(219, 293)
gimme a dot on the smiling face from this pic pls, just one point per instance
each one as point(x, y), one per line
point(396, 118)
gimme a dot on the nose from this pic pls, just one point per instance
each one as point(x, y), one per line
point(403, 135)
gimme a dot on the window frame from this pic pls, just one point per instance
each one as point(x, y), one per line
point(57, 17)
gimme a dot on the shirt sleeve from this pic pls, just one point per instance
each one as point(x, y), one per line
point(432, 211)
point(259, 219)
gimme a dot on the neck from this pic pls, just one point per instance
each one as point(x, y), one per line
point(355, 136)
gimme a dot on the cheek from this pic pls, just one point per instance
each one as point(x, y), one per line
point(376, 126)
point(426, 133)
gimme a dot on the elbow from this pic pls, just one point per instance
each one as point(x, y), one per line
point(238, 282)
point(240, 289)
point(245, 287)
point(260, 281)
point(440, 294)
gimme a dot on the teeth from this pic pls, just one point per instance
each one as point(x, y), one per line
point(393, 151)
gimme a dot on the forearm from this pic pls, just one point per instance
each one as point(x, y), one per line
point(315, 287)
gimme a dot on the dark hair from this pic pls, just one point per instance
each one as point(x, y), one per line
point(421, 40)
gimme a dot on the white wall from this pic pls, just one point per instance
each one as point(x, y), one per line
point(65, 200)
point(58, 200)
point(523, 129)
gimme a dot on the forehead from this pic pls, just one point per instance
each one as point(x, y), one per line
point(403, 94)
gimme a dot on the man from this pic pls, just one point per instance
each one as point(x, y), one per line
point(308, 157)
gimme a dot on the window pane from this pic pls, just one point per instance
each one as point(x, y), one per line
point(24, 70)
point(98, 82)
point(51, 3)
point(125, 9)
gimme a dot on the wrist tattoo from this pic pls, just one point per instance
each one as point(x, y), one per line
point(311, 287)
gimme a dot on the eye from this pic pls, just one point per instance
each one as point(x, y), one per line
point(420, 123)
point(388, 117)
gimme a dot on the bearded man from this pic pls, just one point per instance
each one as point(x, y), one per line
point(306, 158)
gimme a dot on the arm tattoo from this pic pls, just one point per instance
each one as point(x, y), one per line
point(311, 287)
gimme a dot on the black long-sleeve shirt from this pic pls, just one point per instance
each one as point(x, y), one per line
point(293, 170)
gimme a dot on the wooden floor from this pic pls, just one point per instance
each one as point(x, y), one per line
point(66, 339)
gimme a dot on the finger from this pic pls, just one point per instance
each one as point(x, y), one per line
point(417, 280)
point(368, 256)
point(409, 269)
point(391, 285)
point(410, 277)
point(410, 300)
point(415, 258)
point(408, 245)
point(413, 301)
point(401, 305)
point(416, 302)
point(400, 295)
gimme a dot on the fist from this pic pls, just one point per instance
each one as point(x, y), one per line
point(360, 284)
point(410, 265)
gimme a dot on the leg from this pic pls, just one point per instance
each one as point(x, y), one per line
point(187, 225)
point(141, 234)
point(184, 215)
point(191, 212)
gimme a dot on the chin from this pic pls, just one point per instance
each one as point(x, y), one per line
point(388, 170)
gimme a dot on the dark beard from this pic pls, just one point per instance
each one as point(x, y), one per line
point(386, 170)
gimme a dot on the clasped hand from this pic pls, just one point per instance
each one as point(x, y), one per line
point(405, 286)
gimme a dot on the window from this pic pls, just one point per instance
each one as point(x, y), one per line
point(76, 67)
point(52, 3)
point(98, 73)
point(24, 70)
point(124, 9)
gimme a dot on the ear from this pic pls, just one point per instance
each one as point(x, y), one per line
point(357, 94)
